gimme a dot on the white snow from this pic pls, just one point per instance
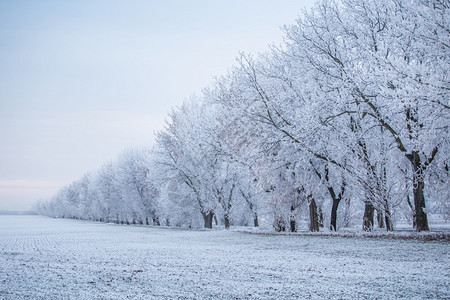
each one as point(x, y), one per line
point(45, 258)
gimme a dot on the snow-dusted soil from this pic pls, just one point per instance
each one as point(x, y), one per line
point(44, 258)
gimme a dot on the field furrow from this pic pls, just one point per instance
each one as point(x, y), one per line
point(44, 258)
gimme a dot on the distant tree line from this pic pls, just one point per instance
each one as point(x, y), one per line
point(345, 123)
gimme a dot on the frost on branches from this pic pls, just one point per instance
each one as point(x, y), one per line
point(344, 123)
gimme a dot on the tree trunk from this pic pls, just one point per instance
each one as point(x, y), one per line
point(227, 221)
point(419, 203)
point(292, 225)
point(389, 225)
point(419, 198)
point(208, 219)
point(313, 216)
point(255, 220)
point(408, 200)
point(387, 216)
point(292, 220)
point(368, 217)
point(146, 221)
point(380, 219)
point(334, 214)
point(320, 217)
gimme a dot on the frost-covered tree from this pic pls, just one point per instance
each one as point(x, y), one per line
point(110, 194)
point(180, 156)
point(350, 111)
point(390, 59)
point(139, 191)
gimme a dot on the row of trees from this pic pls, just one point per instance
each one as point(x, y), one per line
point(120, 192)
point(351, 111)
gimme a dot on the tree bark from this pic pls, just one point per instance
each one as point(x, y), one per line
point(292, 220)
point(419, 198)
point(334, 213)
point(419, 202)
point(368, 217)
point(408, 200)
point(313, 216)
point(292, 225)
point(389, 224)
point(227, 222)
point(208, 219)
point(255, 220)
point(320, 217)
point(380, 219)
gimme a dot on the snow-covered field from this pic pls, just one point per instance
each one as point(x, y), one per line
point(44, 258)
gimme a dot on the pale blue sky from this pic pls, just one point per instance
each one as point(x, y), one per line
point(82, 80)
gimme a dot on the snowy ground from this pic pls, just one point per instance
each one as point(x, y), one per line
point(44, 258)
